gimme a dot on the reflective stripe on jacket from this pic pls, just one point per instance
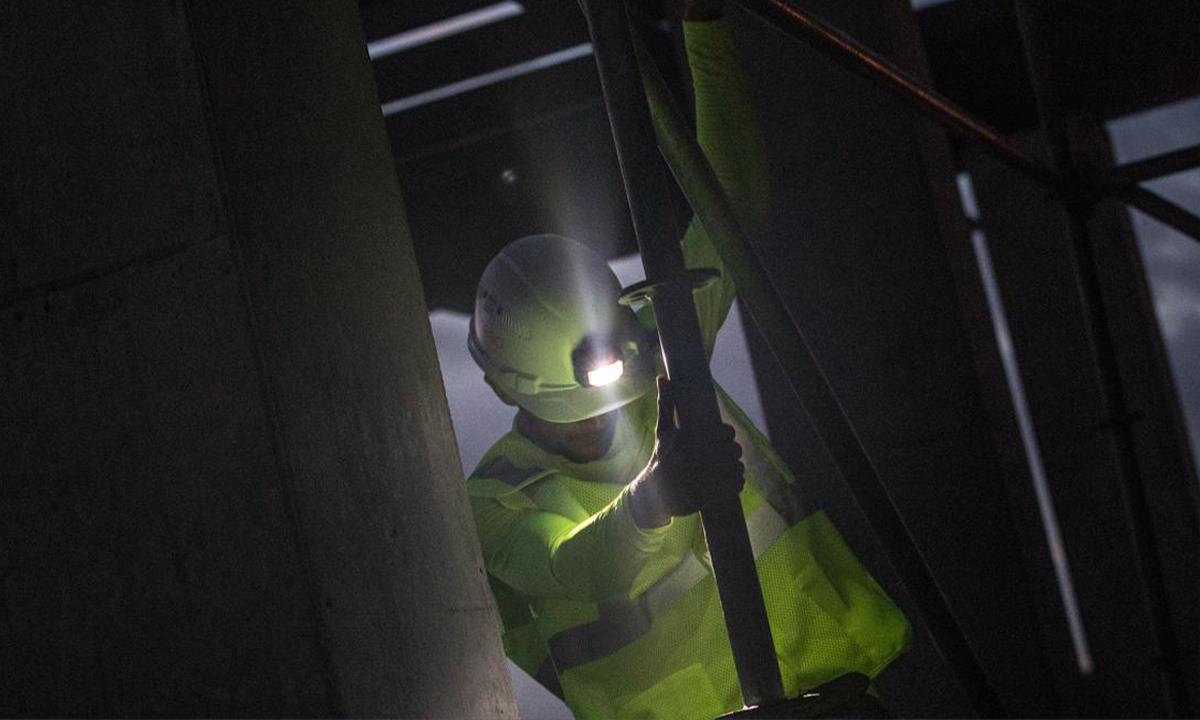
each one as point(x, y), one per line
point(623, 620)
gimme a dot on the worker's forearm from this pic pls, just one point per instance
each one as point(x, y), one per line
point(543, 554)
point(725, 123)
point(603, 556)
point(729, 136)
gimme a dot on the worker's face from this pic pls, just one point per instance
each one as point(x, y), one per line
point(581, 441)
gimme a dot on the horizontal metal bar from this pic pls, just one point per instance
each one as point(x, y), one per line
point(1157, 166)
point(442, 29)
point(1163, 210)
point(847, 51)
point(489, 78)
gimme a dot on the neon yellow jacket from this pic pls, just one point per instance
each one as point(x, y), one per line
point(625, 622)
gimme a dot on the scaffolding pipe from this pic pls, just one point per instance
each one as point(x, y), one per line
point(1158, 165)
point(851, 54)
point(1162, 209)
point(810, 386)
point(647, 191)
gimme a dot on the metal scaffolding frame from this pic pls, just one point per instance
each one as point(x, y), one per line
point(1077, 187)
point(1080, 184)
point(809, 384)
point(1084, 188)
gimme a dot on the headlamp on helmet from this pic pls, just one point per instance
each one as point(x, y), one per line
point(599, 362)
point(550, 333)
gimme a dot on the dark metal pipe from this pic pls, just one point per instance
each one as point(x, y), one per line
point(1158, 165)
point(848, 52)
point(646, 189)
point(1163, 210)
point(810, 386)
point(1119, 183)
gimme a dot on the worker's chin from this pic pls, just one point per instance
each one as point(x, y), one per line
point(586, 453)
point(589, 448)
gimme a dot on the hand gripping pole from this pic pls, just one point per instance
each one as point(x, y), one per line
point(683, 351)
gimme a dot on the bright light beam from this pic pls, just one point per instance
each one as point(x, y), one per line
point(480, 81)
point(443, 29)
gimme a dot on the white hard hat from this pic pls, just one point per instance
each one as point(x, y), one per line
point(548, 331)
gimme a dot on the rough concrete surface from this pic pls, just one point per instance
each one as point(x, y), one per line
point(147, 564)
point(228, 482)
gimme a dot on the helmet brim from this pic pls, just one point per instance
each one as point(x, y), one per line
point(580, 403)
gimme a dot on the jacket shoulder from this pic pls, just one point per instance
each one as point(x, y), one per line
point(499, 478)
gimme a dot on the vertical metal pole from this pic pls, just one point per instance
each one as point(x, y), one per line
point(1030, 17)
point(683, 350)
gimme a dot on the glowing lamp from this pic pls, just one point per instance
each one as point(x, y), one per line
point(605, 374)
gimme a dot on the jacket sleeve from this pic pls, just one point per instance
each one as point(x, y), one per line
point(730, 138)
point(543, 554)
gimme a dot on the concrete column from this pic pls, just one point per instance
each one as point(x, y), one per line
point(228, 481)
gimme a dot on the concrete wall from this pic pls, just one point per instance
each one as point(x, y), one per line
point(228, 482)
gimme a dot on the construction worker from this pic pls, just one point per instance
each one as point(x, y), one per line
point(587, 510)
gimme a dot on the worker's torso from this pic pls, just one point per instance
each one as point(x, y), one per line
point(662, 650)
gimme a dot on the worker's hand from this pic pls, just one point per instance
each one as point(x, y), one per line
point(685, 472)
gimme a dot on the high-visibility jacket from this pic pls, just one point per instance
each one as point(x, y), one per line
point(624, 621)
point(627, 622)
